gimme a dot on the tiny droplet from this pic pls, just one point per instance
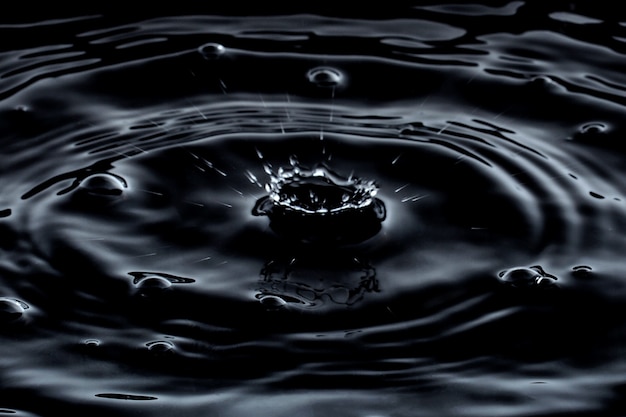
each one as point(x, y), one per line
point(325, 77)
point(11, 310)
point(152, 286)
point(102, 186)
point(160, 347)
point(211, 51)
point(272, 302)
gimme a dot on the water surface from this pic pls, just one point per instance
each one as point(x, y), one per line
point(149, 265)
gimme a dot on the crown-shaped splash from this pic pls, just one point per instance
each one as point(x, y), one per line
point(318, 205)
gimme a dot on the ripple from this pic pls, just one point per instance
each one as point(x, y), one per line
point(126, 397)
point(472, 153)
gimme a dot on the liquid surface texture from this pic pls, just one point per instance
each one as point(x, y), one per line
point(417, 210)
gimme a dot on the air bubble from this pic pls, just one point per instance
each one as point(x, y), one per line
point(593, 128)
point(272, 302)
point(91, 343)
point(101, 186)
point(542, 81)
point(595, 133)
point(582, 271)
point(211, 51)
point(152, 286)
point(524, 277)
point(11, 310)
point(160, 347)
point(325, 77)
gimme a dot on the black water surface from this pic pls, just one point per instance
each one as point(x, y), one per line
point(406, 210)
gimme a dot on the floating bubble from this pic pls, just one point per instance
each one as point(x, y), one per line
point(98, 191)
point(542, 81)
point(152, 286)
point(325, 77)
point(272, 302)
point(211, 51)
point(91, 343)
point(594, 133)
point(524, 277)
point(11, 310)
point(318, 205)
point(160, 347)
point(593, 128)
point(102, 185)
point(582, 271)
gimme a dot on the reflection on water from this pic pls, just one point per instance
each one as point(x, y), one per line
point(312, 279)
point(296, 211)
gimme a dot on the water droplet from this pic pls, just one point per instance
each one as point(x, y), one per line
point(527, 277)
point(91, 343)
point(100, 188)
point(582, 271)
point(595, 133)
point(211, 50)
point(152, 286)
point(325, 77)
point(272, 302)
point(11, 310)
point(542, 81)
point(318, 205)
point(161, 347)
point(593, 128)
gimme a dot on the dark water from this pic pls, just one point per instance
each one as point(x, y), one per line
point(449, 239)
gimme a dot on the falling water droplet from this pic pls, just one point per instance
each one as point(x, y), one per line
point(211, 51)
